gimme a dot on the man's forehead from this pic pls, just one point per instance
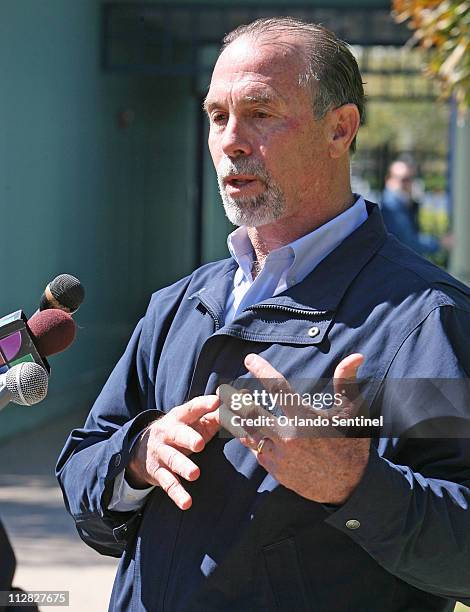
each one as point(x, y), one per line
point(267, 55)
point(259, 70)
point(244, 90)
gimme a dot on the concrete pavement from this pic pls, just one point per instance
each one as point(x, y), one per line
point(49, 552)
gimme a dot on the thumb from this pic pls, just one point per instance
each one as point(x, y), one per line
point(345, 383)
point(348, 367)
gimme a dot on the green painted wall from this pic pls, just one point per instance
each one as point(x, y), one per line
point(79, 194)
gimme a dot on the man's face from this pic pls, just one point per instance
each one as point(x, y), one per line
point(265, 144)
point(401, 178)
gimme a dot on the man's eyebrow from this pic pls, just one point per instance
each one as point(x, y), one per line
point(208, 104)
point(261, 98)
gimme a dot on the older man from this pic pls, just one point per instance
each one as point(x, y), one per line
point(314, 289)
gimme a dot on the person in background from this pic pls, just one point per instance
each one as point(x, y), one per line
point(400, 210)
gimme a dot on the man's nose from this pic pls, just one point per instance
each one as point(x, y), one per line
point(235, 141)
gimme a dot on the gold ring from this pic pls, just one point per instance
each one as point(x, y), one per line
point(259, 448)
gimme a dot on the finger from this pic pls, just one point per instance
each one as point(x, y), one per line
point(345, 383)
point(186, 437)
point(259, 445)
point(178, 463)
point(344, 377)
point(347, 368)
point(231, 399)
point(208, 425)
point(241, 415)
point(192, 411)
point(272, 380)
point(239, 401)
point(173, 488)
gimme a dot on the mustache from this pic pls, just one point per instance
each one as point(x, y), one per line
point(228, 167)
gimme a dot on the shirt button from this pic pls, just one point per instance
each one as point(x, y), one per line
point(353, 524)
point(313, 331)
point(117, 460)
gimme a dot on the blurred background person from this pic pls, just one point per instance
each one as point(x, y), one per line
point(400, 210)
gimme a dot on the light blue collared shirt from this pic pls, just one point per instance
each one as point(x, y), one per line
point(288, 265)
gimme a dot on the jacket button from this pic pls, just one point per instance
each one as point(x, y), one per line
point(313, 331)
point(117, 460)
point(353, 524)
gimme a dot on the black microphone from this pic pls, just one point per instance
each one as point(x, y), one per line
point(65, 293)
point(25, 384)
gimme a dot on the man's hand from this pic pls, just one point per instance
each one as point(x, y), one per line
point(160, 456)
point(322, 466)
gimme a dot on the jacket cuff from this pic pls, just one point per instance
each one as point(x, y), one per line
point(375, 512)
point(118, 452)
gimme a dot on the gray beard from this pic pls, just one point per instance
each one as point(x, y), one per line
point(255, 211)
point(251, 211)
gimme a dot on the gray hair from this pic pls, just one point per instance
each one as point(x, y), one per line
point(331, 70)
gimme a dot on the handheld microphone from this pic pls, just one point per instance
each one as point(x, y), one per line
point(25, 384)
point(53, 331)
point(65, 293)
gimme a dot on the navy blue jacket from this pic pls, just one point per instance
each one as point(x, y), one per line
point(247, 543)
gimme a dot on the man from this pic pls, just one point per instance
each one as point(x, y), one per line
point(314, 289)
point(400, 211)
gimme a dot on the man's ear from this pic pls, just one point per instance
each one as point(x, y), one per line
point(344, 123)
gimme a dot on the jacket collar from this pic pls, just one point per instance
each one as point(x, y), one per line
point(316, 294)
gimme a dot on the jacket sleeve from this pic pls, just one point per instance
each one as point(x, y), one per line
point(410, 511)
point(94, 455)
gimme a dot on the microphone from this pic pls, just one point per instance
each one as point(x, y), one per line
point(25, 384)
point(65, 293)
point(53, 331)
point(46, 333)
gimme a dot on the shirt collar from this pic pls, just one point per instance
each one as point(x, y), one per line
point(303, 254)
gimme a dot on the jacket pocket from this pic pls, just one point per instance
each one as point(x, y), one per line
point(285, 576)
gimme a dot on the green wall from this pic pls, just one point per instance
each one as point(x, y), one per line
point(79, 194)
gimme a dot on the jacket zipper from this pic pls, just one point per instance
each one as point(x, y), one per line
point(216, 319)
point(290, 309)
point(212, 312)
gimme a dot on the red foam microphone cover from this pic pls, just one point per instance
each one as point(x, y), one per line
point(53, 331)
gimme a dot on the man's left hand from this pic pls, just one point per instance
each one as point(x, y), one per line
point(323, 468)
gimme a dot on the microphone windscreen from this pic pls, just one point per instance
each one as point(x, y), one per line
point(65, 292)
point(27, 382)
point(53, 331)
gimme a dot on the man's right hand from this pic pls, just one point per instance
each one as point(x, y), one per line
point(160, 456)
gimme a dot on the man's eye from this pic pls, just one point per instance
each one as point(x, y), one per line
point(261, 114)
point(219, 118)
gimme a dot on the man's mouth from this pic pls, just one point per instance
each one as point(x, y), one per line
point(239, 182)
point(240, 179)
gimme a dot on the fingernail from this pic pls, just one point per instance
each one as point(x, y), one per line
point(249, 360)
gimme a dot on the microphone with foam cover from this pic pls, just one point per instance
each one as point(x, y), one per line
point(25, 384)
point(53, 331)
point(65, 293)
